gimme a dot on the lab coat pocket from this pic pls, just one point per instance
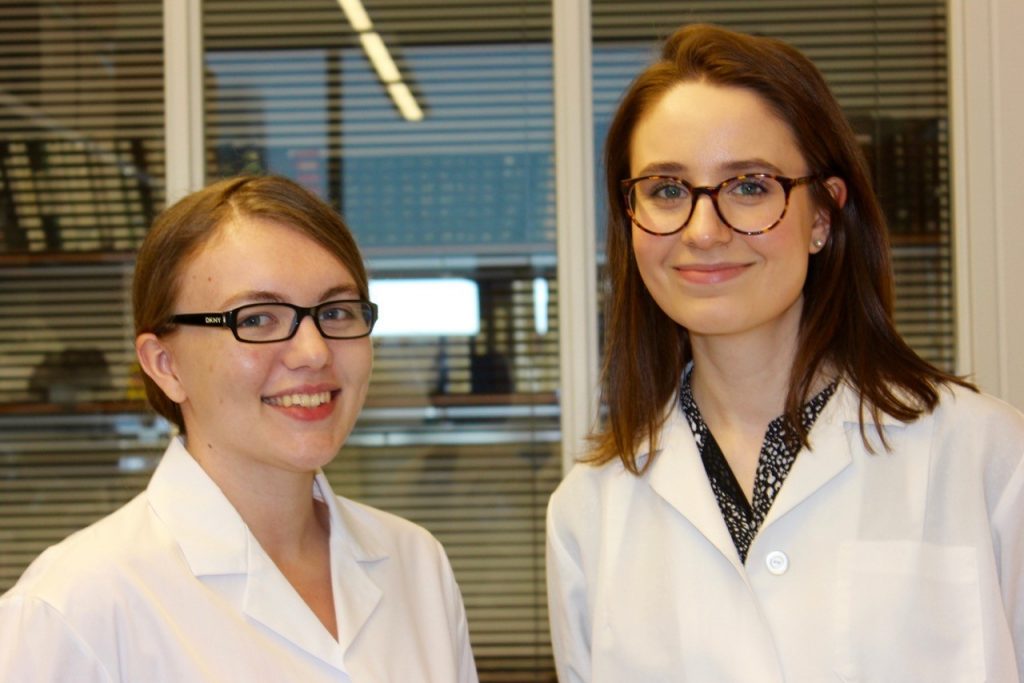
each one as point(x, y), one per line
point(908, 611)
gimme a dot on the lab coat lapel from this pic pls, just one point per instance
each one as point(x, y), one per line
point(270, 600)
point(353, 553)
point(829, 455)
point(355, 598)
point(677, 475)
point(216, 542)
point(207, 529)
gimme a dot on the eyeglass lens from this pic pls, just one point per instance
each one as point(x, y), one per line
point(273, 322)
point(749, 203)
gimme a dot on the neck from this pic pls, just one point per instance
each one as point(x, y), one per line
point(745, 378)
point(277, 506)
point(290, 525)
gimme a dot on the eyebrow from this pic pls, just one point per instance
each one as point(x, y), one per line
point(755, 165)
point(736, 167)
point(662, 168)
point(263, 296)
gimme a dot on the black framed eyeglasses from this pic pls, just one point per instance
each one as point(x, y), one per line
point(749, 204)
point(273, 322)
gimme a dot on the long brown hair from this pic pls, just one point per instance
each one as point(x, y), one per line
point(182, 230)
point(846, 322)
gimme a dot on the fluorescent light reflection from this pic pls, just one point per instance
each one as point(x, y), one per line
point(379, 56)
point(406, 103)
point(426, 307)
point(356, 14)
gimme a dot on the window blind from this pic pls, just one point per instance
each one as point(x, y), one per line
point(460, 432)
point(81, 176)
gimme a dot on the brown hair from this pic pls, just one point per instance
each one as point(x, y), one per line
point(846, 321)
point(184, 228)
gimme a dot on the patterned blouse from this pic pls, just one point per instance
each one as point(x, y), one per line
point(779, 450)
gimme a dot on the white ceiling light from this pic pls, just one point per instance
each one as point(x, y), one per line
point(379, 56)
point(406, 103)
point(356, 14)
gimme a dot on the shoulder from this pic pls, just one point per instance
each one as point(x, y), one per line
point(88, 561)
point(970, 422)
point(74, 594)
point(960, 416)
point(587, 483)
point(975, 422)
point(377, 530)
point(978, 410)
point(590, 496)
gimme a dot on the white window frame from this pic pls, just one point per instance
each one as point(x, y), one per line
point(987, 107)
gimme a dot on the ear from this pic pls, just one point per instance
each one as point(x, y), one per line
point(157, 361)
point(822, 221)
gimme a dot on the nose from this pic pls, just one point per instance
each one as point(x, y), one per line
point(706, 228)
point(307, 348)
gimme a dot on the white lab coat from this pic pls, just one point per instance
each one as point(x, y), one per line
point(906, 566)
point(174, 587)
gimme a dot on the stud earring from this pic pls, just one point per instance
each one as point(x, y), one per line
point(819, 244)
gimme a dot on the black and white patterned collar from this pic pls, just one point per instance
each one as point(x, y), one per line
point(778, 452)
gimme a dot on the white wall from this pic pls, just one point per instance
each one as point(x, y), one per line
point(987, 100)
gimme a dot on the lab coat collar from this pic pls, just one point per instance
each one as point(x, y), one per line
point(835, 440)
point(830, 452)
point(214, 540)
point(677, 473)
point(354, 549)
point(211, 534)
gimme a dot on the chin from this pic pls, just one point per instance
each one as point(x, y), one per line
point(311, 455)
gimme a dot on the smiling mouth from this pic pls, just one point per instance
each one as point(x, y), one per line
point(300, 400)
point(710, 267)
point(710, 274)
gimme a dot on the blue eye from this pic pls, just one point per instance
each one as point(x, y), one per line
point(669, 191)
point(338, 313)
point(750, 187)
point(255, 320)
point(664, 190)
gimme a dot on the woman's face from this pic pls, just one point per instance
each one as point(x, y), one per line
point(707, 278)
point(233, 394)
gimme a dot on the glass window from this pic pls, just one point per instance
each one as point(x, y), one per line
point(453, 207)
point(81, 177)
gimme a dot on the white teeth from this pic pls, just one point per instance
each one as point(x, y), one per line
point(304, 400)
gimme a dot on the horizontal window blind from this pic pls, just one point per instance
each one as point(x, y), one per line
point(81, 177)
point(81, 124)
point(65, 341)
point(886, 62)
point(60, 472)
point(461, 432)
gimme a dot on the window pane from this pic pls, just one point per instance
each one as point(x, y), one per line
point(461, 428)
point(81, 169)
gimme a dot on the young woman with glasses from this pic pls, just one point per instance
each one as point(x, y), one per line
point(782, 489)
point(238, 562)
